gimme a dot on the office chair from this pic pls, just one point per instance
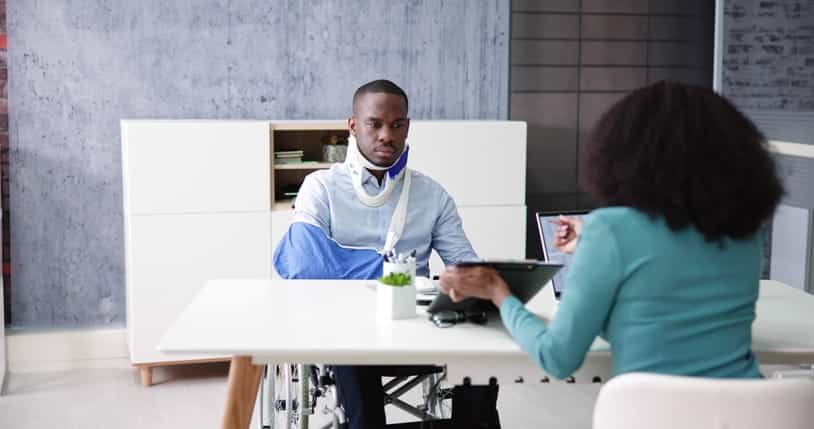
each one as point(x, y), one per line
point(290, 394)
point(653, 401)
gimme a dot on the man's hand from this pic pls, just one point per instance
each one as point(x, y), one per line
point(478, 281)
point(567, 234)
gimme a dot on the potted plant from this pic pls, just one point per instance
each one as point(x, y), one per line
point(395, 296)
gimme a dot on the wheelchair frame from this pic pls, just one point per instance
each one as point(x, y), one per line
point(290, 393)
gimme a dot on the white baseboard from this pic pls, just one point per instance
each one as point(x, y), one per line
point(65, 350)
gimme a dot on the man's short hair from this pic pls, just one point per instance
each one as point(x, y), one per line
point(380, 86)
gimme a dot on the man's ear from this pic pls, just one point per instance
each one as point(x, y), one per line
point(352, 126)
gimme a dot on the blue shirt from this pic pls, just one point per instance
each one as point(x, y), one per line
point(327, 199)
point(666, 301)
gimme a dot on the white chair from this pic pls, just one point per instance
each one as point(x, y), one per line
point(652, 401)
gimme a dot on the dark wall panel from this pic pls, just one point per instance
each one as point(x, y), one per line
point(571, 60)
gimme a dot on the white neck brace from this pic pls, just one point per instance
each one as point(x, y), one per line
point(356, 163)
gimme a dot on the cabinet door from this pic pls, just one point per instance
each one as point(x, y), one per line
point(478, 162)
point(170, 257)
point(495, 232)
point(196, 166)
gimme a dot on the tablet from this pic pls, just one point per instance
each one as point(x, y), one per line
point(525, 279)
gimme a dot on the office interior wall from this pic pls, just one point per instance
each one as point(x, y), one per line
point(572, 59)
point(79, 66)
point(767, 70)
point(768, 65)
point(4, 183)
point(791, 256)
point(792, 249)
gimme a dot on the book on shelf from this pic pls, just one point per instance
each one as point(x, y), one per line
point(290, 191)
point(288, 161)
point(284, 154)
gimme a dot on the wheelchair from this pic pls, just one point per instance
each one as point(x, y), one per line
point(291, 394)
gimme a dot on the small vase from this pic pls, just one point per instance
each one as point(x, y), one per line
point(395, 302)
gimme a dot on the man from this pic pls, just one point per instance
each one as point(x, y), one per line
point(346, 217)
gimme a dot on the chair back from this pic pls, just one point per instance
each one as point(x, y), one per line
point(654, 401)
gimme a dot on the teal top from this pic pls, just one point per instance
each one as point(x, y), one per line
point(666, 301)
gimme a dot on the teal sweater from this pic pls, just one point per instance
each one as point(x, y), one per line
point(666, 301)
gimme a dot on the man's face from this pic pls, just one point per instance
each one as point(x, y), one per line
point(380, 125)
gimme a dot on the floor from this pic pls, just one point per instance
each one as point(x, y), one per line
point(192, 396)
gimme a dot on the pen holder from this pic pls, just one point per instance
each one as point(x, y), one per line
point(396, 302)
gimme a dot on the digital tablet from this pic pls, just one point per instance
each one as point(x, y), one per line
point(525, 279)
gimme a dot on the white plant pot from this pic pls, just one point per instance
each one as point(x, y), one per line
point(395, 302)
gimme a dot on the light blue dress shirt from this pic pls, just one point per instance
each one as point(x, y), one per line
point(327, 199)
point(667, 301)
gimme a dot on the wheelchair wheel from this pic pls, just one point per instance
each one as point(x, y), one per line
point(301, 390)
point(277, 400)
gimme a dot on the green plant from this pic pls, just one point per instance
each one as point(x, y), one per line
point(396, 279)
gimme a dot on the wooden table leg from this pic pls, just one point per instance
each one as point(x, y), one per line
point(244, 381)
point(146, 374)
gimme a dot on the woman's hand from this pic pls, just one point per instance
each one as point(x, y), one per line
point(567, 234)
point(475, 281)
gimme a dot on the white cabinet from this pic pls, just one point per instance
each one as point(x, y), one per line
point(195, 166)
point(494, 231)
point(199, 203)
point(172, 256)
point(480, 163)
point(196, 207)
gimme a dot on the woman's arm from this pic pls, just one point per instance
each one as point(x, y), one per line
point(594, 277)
point(593, 280)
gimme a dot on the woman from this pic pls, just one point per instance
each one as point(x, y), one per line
point(667, 271)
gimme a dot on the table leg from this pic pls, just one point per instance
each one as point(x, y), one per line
point(146, 375)
point(244, 380)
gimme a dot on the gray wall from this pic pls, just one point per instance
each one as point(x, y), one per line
point(77, 67)
point(768, 65)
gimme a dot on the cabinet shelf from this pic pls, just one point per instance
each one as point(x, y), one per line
point(282, 205)
point(305, 166)
point(308, 139)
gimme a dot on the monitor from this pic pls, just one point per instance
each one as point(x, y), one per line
point(547, 227)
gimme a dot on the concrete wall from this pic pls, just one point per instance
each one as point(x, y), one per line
point(77, 67)
point(767, 65)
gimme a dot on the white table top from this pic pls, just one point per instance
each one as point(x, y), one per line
point(333, 321)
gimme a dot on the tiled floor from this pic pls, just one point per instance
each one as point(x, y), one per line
point(193, 397)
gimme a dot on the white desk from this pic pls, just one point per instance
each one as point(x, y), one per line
point(264, 321)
